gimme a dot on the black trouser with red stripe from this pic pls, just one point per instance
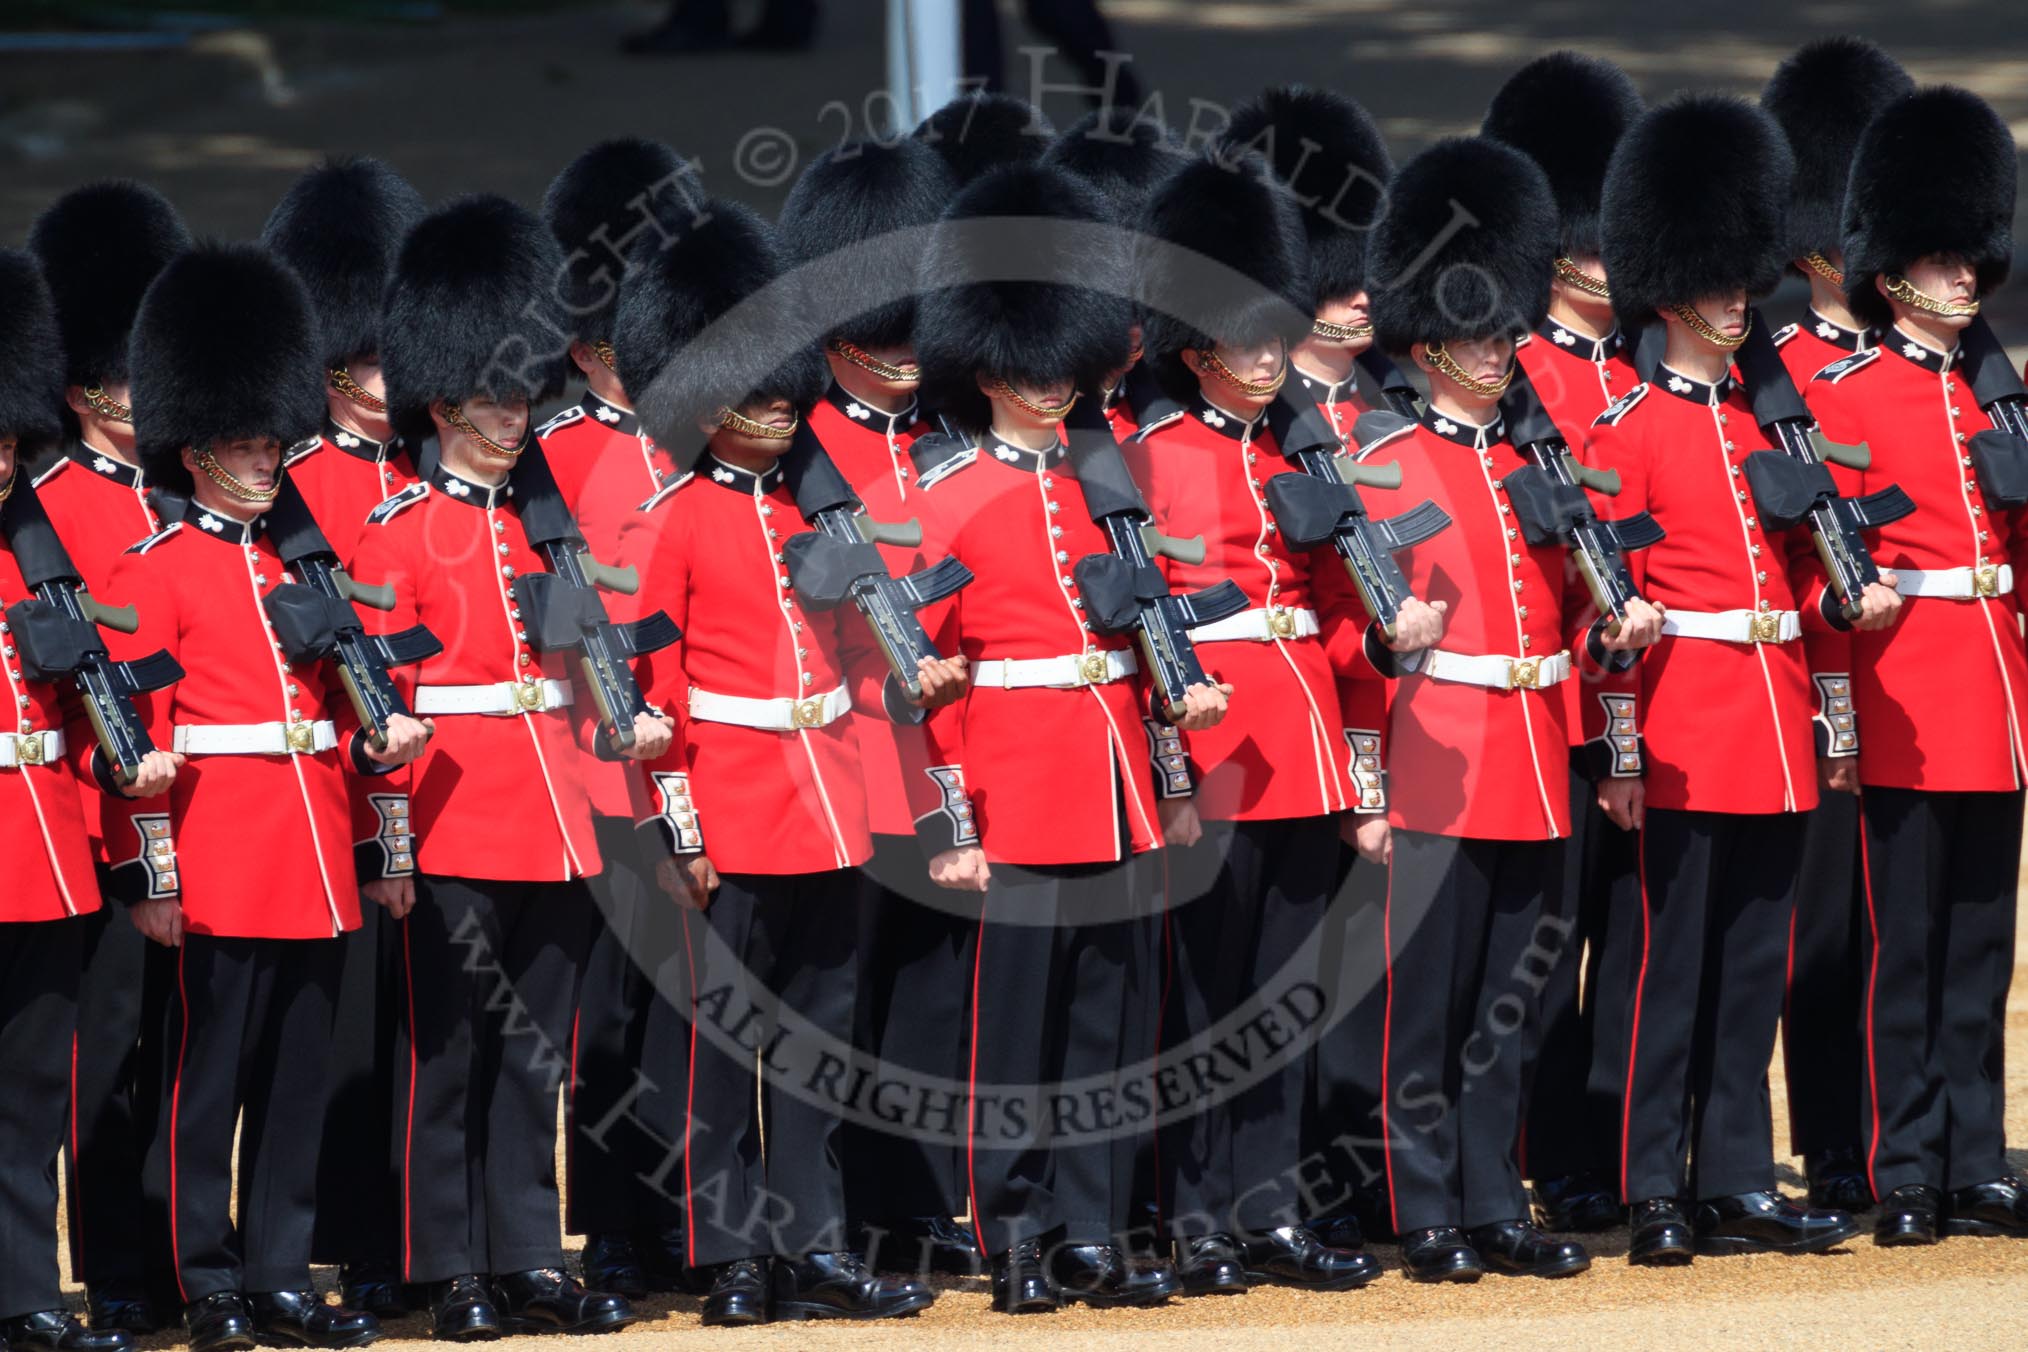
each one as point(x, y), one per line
point(1247, 903)
point(39, 965)
point(248, 1032)
point(1941, 873)
point(775, 972)
point(1064, 955)
point(358, 1170)
point(1704, 990)
point(1823, 1014)
point(488, 978)
point(1343, 1144)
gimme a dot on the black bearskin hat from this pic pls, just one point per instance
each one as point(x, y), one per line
point(851, 195)
point(1566, 111)
point(618, 197)
point(100, 246)
point(31, 358)
point(225, 347)
point(472, 310)
point(339, 227)
point(1823, 96)
point(977, 133)
point(1436, 280)
point(1694, 205)
point(677, 365)
point(1329, 153)
point(1119, 152)
point(1933, 174)
point(1006, 322)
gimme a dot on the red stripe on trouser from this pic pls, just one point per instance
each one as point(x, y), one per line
point(408, 1134)
point(972, 1094)
point(175, 1121)
point(690, 1099)
point(1386, 1048)
point(1634, 1030)
point(1872, 995)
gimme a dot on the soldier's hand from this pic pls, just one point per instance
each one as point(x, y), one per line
point(688, 878)
point(1625, 801)
point(1368, 833)
point(652, 735)
point(160, 920)
point(406, 738)
point(944, 681)
point(1879, 604)
point(1838, 774)
point(1417, 625)
point(394, 895)
point(1204, 706)
point(962, 870)
point(1641, 626)
point(154, 775)
point(1180, 823)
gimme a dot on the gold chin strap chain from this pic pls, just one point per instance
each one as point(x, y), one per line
point(1340, 333)
point(733, 420)
point(342, 381)
point(603, 350)
point(1701, 326)
point(866, 361)
point(455, 416)
point(1254, 389)
point(1575, 277)
point(106, 406)
point(234, 485)
point(1048, 412)
point(1484, 389)
point(1904, 291)
point(7, 489)
point(1821, 265)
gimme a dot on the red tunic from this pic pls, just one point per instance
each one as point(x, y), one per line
point(344, 476)
point(1815, 343)
point(495, 796)
point(1339, 401)
point(1943, 694)
point(1727, 725)
point(1576, 377)
point(764, 800)
point(263, 844)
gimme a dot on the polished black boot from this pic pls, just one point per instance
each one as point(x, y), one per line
point(610, 1263)
point(1998, 1208)
point(840, 1286)
point(1908, 1216)
point(1101, 1275)
point(1294, 1256)
point(1576, 1204)
point(1021, 1283)
point(1209, 1265)
point(372, 1287)
point(1440, 1254)
point(59, 1331)
point(1767, 1222)
point(923, 1244)
point(218, 1321)
point(1342, 1231)
point(462, 1309)
point(109, 1310)
point(738, 1295)
point(302, 1318)
point(1662, 1234)
point(1838, 1181)
point(1519, 1249)
point(542, 1300)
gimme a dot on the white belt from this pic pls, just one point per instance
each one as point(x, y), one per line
point(1258, 626)
point(1735, 626)
point(1056, 673)
point(499, 700)
point(775, 715)
point(30, 748)
point(1494, 672)
point(1956, 584)
point(255, 739)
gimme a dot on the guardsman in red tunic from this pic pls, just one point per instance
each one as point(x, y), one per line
point(1941, 764)
point(502, 821)
point(760, 815)
point(338, 227)
point(1566, 111)
point(618, 196)
point(1824, 94)
point(1721, 817)
point(1477, 738)
point(51, 894)
point(1064, 938)
point(269, 738)
point(100, 246)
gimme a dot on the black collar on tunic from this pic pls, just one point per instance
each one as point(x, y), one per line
point(739, 480)
point(1922, 354)
point(1462, 432)
point(467, 492)
point(1228, 425)
point(360, 446)
point(103, 465)
point(838, 398)
point(1837, 335)
point(1674, 382)
point(1020, 457)
point(606, 413)
point(217, 527)
point(1570, 340)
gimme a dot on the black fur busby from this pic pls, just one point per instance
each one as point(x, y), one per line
point(1223, 261)
point(100, 246)
point(225, 347)
point(693, 317)
point(1330, 155)
point(1119, 152)
point(31, 357)
point(619, 196)
point(1007, 231)
point(1566, 111)
point(1695, 200)
point(1437, 275)
point(976, 133)
point(472, 310)
point(339, 226)
point(854, 194)
point(1823, 96)
point(1933, 174)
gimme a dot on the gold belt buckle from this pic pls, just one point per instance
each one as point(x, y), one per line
point(1094, 668)
point(1766, 627)
point(1986, 580)
point(1525, 673)
point(528, 697)
point(1282, 622)
point(809, 713)
point(28, 748)
point(302, 739)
